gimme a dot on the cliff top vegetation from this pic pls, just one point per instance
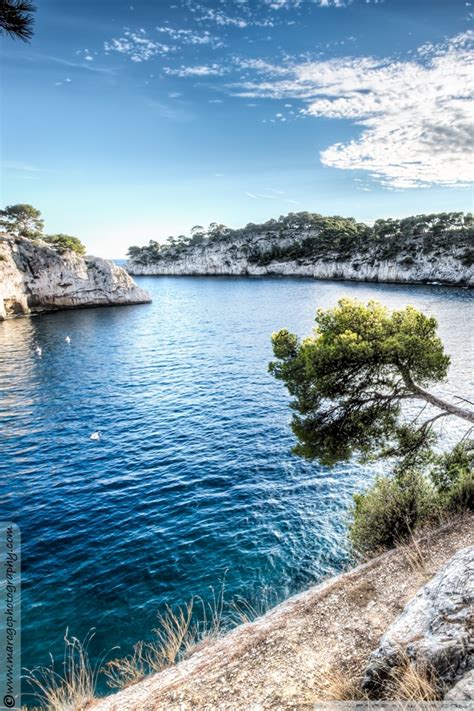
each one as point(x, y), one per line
point(306, 236)
point(26, 221)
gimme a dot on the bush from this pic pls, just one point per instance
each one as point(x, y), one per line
point(63, 243)
point(390, 510)
point(394, 507)
point(453, 478)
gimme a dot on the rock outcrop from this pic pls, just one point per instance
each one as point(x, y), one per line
point(435, 629)
point(253, 254)
point(463, 690)
point(34, 278)
point(444, 270)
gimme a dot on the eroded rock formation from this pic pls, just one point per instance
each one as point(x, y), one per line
point(34, 277)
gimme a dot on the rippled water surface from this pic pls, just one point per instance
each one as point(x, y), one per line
point(193, 475)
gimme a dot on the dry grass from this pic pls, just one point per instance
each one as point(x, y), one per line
point(407, 682)
point(418, 558)
point(72, 688)
point(412, 681)
point(336, 684)
point(180, 633)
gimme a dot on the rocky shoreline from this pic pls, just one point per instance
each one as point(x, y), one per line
point(35, 278)
point(447, 271)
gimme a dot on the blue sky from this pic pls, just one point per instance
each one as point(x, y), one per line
point(129, 121)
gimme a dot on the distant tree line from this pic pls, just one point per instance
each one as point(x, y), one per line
point(26, 221)
point(306, 235)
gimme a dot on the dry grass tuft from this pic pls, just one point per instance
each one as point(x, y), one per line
point(180, 633)
point(74, 687)
point(127, 670)
point(417, 559)
point(335, 684)
point(412, 681)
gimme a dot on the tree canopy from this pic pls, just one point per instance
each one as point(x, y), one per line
point(22, 221)
point(350, 379)
point(16, 19)
point(64, 242)
point(26, 221)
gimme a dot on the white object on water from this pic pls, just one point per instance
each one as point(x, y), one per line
point(38, 350)
point(68, 339)
point(95, 435)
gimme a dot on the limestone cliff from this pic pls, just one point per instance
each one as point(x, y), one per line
point(445, 269)
point(438, 248)
point(34, 277)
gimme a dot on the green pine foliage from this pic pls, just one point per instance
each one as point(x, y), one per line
point(62, 243)
point(349, 379)
point(306, 236)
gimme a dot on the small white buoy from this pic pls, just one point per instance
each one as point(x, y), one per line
point(95, 435)
point(68, 339)
point(38, 351)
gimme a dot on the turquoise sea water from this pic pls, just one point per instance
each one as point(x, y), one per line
point(193, 478)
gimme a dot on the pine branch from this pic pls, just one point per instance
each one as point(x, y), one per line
point(16, 19)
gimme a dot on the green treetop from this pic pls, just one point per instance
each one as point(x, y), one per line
point(349, 381)
point(22, 221)
point(64, 242)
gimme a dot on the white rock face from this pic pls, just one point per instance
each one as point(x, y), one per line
point(463, 690)
point(435, 628)
point(35, 278)
point(232, 258)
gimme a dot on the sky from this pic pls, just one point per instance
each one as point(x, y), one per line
point(125, 121)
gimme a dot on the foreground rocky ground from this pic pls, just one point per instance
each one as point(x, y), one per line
point(320, 645)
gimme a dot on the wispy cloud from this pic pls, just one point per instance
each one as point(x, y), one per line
point(416, 115)
point(37, 58)
point(200, 70)
point(272, 195)
point(231, 14)
point(137, 45)
point(142, 45)
point(191, 37)
point(289, 4)
point(21, 167)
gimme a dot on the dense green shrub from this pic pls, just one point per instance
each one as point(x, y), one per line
point(394, 507)
point(453, 478)
point(62, 243)
point(390, 510)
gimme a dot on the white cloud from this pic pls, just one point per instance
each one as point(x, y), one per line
point(191, 37)
point(288, 4)
point(137, 45)
point(416, 116)
point(200, 70)
point(225, 17)
point(272, 195)
point(218, 17)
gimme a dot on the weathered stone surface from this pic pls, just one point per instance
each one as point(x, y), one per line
point(35, 278)
point(435, 628)
point(463, 690)
point(233, 258)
